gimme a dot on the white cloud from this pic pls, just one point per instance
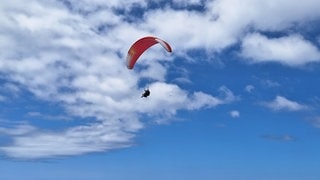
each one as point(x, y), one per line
point(59, 55)
point(90, 138)
point(91, 5)
point(270, 15)
point(249, 88)
point(73, 53)
point(292, 50)
point(270, 83)
point(186, 3)
point(234, 114)
point(17, 130)
point(282, 103)
point(225, 22)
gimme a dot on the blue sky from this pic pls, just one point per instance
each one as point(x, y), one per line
point(237, 99)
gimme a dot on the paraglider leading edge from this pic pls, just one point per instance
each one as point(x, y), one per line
point(140, 46)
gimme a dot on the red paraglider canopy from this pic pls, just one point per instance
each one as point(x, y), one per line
point(142, 45)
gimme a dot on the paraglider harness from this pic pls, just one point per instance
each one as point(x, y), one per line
point(146, 93)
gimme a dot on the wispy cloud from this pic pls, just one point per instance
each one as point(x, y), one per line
point(90, 138)
point(19, 129)
point(281, 138)
point(48, 117)
point(270, 83)
point(282, 103)
point(2, 98)
point(249, 88)
point(314, 121)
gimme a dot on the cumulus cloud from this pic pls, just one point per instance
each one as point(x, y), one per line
point(224, 23)
point(71, 52)
point(282, 103)
point(67, 53)
point(115, 132)
point(291, 50)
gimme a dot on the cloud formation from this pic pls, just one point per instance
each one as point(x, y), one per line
point(234, 114)
point(30, 143)
point(314, 121)
point(292, 50)
point(71, 52)
point(281, 138)
point(281, 103)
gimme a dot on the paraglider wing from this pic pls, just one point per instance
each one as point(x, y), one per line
point(142, 45)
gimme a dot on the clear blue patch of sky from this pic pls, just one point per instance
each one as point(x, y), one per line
point(137, 12)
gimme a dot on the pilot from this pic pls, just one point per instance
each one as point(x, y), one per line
point(146, 93)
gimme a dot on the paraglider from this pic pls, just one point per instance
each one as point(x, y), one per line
point(138, 48)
